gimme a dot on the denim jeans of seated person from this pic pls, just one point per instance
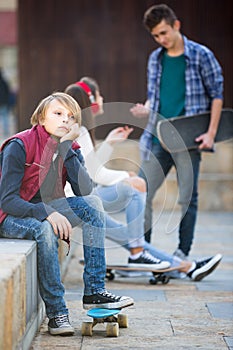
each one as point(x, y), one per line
point(86, 212)
point(121, 197)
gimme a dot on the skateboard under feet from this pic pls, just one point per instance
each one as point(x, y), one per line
point(110, 317)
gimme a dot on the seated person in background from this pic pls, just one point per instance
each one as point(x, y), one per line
point(120, 190)
point(35, 165)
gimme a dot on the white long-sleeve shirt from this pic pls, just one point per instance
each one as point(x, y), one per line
point(95, 160)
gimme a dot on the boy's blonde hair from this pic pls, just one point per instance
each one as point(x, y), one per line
point(66, 100)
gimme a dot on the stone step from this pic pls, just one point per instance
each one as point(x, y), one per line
point(21, 307)
point(216, 176)
point(126, 156)
point(215, 193)
point(221, 161)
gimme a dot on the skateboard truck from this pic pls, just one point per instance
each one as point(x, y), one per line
point(111, 317)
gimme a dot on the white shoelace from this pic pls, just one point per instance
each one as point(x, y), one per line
point(109, 295)
point(62, 320)
point(150, 257)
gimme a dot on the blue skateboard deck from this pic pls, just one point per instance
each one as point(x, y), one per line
point(102, 313)
point(111, 317)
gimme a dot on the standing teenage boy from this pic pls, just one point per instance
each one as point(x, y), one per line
point(184, 78)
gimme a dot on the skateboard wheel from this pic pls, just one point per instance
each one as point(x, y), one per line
point(112, 329)
point(153, 280)
point(165, 279)
point(87, 328)
point(110, 276)
point(122, 321)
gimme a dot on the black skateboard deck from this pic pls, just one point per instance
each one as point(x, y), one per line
point(179, 133)
point(157, 275)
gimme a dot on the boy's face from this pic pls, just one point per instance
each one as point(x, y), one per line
point(165, 34)
point(58, 119)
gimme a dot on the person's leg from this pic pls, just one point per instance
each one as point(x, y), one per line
point(89, 213)
point(116, 231)
point(122, 197)
point(187, 166)
point(51, 288)
point(153, 171)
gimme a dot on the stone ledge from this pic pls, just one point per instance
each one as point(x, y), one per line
point(22, 309)
point(215, 178)
point(21, 306)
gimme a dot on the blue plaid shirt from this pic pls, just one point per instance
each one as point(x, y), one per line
point(203, 83)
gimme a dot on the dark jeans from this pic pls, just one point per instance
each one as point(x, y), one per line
point(155, 170)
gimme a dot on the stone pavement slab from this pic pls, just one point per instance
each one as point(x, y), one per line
point(179, 315)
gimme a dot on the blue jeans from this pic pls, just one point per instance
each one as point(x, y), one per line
point(80, 211)
point(122, 197)
point(154, 171)
point(118, 232)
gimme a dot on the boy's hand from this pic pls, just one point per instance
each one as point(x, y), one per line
point(206, 141)
point(72, 134)
point(140, 110)
point(118, 134)
point(61, 226)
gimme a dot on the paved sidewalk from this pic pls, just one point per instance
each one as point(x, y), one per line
point(180, 315)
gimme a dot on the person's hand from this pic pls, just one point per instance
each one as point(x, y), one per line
point(132, 173)
point(72, 134)
point(118, 134)
point(140, 110)
point(206, 141)
point(61, 226)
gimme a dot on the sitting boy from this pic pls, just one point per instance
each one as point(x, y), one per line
point(35, 165)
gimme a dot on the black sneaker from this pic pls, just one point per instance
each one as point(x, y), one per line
point(204, 267)
point(106, 300)
point(60, 325)
point(146, 260)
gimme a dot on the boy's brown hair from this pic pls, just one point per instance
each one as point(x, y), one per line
point(155, 14)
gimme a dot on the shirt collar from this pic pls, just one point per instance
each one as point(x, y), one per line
point(161, 50)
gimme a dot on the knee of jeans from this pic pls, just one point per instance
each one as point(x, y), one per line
point(95, 202)
point(47, 235)
point(96, 209)
point(124, 189)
